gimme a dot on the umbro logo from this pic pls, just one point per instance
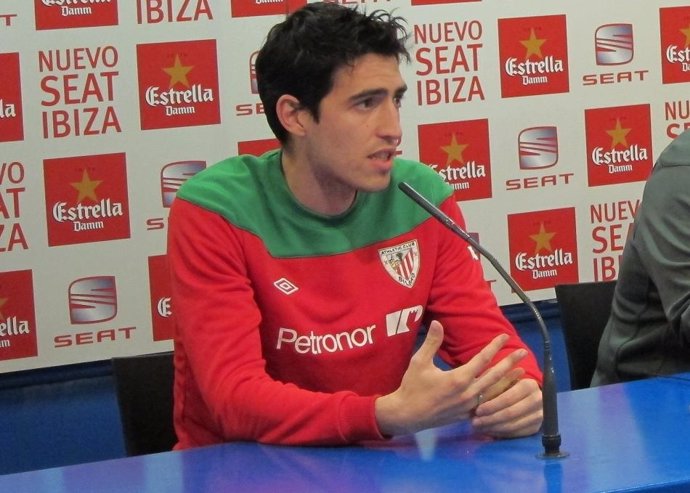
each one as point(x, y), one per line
point(285, 286)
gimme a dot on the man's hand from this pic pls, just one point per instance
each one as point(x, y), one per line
point(515, 412)
point(499, 403)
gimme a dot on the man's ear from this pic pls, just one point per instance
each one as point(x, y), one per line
point(292, 115)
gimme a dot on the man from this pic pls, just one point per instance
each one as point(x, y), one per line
point(648, 332)
point(301, 278)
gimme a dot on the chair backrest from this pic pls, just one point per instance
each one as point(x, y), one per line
point(585, 309)
point(144, 388)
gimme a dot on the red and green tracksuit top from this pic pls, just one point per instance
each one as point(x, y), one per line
point(289, 324)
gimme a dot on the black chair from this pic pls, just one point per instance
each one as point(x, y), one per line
point(585, 309)
point(144, 388)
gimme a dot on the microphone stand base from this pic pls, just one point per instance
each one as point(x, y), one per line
point(558, 454)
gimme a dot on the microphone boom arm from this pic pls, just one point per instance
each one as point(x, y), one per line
point(551, 437)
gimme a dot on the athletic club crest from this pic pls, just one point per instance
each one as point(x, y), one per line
point(402, 262)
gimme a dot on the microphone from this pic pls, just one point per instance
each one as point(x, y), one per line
point(551, 437)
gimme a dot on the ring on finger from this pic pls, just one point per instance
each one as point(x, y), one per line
point(480, 399)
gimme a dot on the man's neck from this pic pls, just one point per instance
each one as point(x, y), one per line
point(321, 196)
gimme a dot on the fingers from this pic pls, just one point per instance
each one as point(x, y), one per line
point(501, 375)
point(506, 381)
point(516, 412)
point(524, 425)
point(434, 338)
point(484, 357)
point(429, 397)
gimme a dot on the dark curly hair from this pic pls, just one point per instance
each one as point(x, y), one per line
point(301, 54)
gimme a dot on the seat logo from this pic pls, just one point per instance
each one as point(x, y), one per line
point(92, 299)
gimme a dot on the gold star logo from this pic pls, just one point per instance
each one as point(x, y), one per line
point(86, 187)
point(686, 33)
point(533, 45)
point(542, 240)
point(454, 151)
point(178, 72)
point(2, 302)
point(618, 135)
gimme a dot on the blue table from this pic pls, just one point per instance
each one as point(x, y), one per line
point(629, 437)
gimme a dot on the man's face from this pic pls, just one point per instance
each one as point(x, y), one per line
point(352, 145)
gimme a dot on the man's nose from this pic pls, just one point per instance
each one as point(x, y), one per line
point(389, 126)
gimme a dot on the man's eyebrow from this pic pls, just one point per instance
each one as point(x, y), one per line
point(377, 92)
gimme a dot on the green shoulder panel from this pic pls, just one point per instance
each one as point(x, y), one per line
point(250, 193)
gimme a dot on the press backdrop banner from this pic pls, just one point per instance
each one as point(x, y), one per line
point(546, 118)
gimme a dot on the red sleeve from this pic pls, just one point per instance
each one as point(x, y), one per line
point(463, 302)
point(219, 348)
